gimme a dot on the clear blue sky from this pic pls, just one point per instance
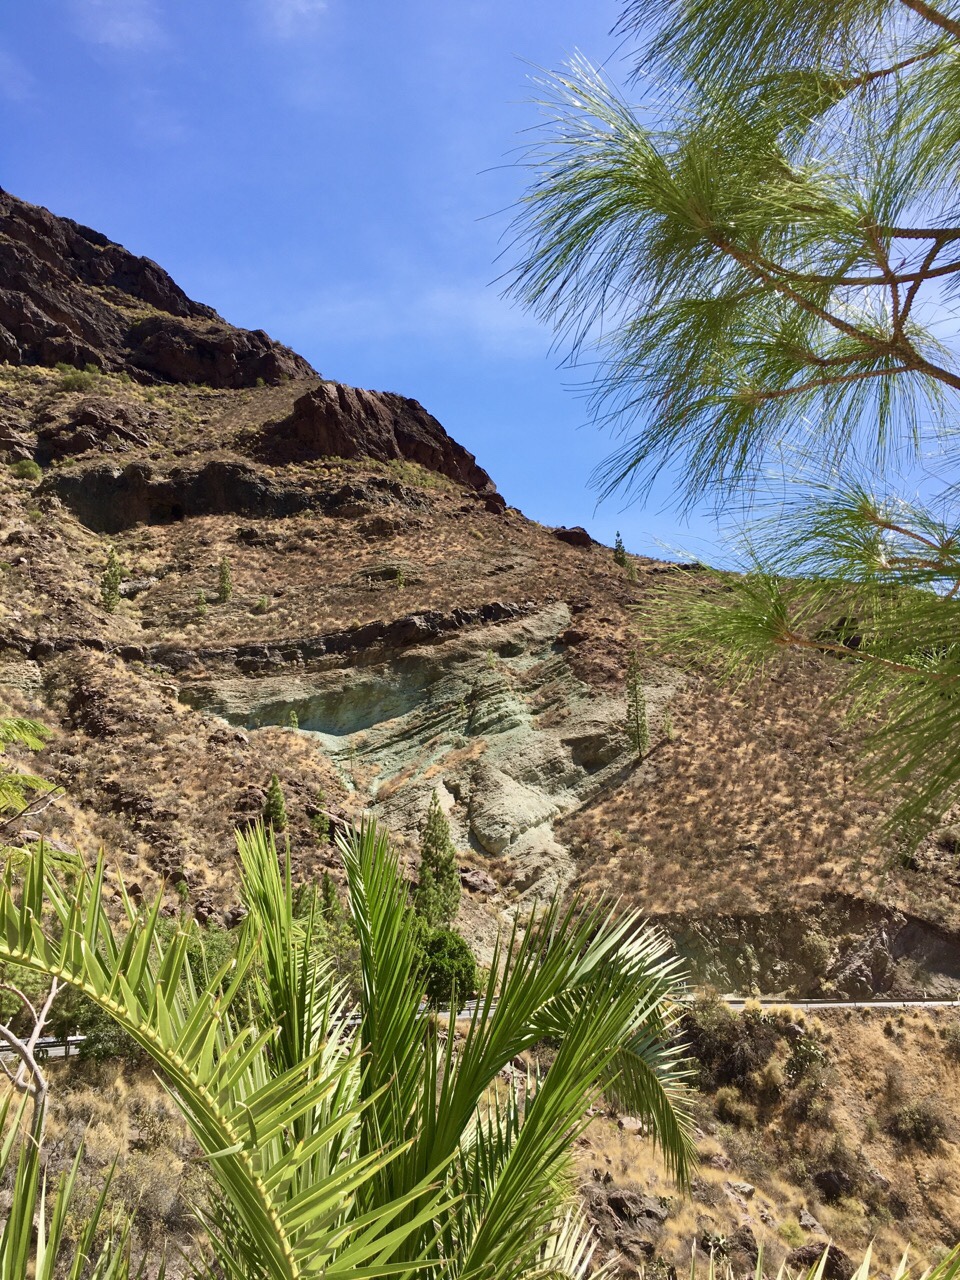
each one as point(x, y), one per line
point(335, 172)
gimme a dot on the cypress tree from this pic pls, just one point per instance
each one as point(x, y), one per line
point(638, 725)
point(110, 582)
point(275, 809)
point(224, 581)
point(330, 905)
point(438, 891)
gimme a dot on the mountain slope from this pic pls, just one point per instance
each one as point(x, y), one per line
point(424, 635)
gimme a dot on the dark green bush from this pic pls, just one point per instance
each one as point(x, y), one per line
point(922, 1123)
point(26, 469)
point(77, 379)
point(730, 1048)
point(807, 1058)
point(449, 965)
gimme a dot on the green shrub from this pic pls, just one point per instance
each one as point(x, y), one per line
point(224, 581)
point(449, 965)
point(26, 469)
point(275, 808)
point(731, 1108)
point(638, 724)
point(922, 1123)
point(110, 582)
point(320, 823)
point(816, 952)
point(619, 551)
point(262, 605)
point(77, 379)
point(729, 1048)
point(807, 1057)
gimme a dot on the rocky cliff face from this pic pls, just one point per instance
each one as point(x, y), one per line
point(345, 422)
point(423, 635)
point(68, 294)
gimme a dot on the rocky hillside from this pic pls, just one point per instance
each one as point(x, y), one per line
point(421, 634)
point(318, 581)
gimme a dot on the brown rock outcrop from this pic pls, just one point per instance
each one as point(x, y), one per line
point(69, 294)
point(345, 422)
point(98, 423)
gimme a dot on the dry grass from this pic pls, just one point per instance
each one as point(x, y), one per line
point(900, 1194)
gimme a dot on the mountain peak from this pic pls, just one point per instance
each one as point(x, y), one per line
point(70, 295)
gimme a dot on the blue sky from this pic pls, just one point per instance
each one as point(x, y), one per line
point(335, 172)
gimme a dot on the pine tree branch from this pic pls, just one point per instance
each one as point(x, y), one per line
point(793, 640)
point(914, 361)
point(934, 16)
point(926, 273)
point(849, 83)
point(817, 384)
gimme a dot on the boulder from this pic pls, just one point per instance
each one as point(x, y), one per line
point(475, 881)
point(838, 1265)
point(575, 537)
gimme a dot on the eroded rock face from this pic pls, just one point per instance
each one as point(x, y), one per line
point(494, 720)
point(109, 497)
point(68, 293)
point(345, 422)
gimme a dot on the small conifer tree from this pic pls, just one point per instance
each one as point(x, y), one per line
point(293, 720)
point(638, 724)
point(619, 551)
point(275, 809)
point(224, 581)
point(201, 603)
point(330, 905)
point(110, 582)
point(320, 822)
point(438, 890)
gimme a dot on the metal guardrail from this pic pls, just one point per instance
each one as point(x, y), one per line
point(51, 1047)
point(62, 1047)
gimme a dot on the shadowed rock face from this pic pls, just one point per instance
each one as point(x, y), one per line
point(345, 422)
point(69, 294)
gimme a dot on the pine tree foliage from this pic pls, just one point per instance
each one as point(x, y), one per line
point(619, 551)
point(437, 895)
point(110, 582)
point(638, 720)
point(770, 238)
point(275, 807)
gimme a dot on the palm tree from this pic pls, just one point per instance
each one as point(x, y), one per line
point(368, 1142)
